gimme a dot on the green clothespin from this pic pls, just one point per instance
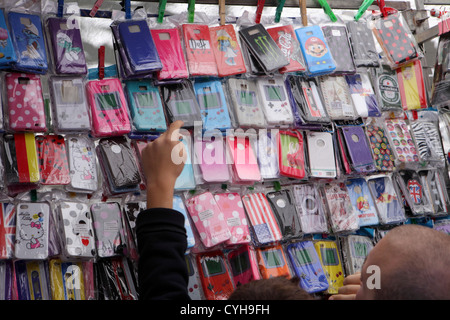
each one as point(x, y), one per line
point(279, 10)
point(326, 7)
point(366, 4)
point(191, 11)
point(161, 10)
point(277, 185)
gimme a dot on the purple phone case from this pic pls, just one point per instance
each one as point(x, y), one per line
point(67, 47)
point(358, 148)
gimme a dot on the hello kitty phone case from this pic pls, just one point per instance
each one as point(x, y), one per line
point(32, 231)
point(107, 228)
point(82, 164)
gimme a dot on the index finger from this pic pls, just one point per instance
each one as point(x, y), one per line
point(173, 127)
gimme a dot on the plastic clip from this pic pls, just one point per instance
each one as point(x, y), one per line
point(279, 10)
point(191, 11)
point(222, 11)
point(302, 5)
point(95, 8)
point(161, 10)
point(326, 7)
point(127, 9)
point(101, 62)
point(366, 4)
point(60, 11)
point(385, 11)
point(259, 9)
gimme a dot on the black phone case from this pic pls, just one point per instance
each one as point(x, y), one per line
point(285, 213)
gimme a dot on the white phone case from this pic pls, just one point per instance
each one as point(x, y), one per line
point(275, 101)
point(82, 164)
point(320, 144)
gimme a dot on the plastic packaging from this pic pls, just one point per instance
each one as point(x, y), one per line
point(362, 201)
point(268, 155)
point(440, 96)
point(117, 279)
point(411, 85)
point(211, 158)
point(329, 256)
point(437, 192)
point(363, 95)
point(285, 212)
point(355, 249)
point(309, 205)
point(6, 279)
point(186, 180)
point(291, 154)
point(194, 286)
point(337, 98)
point(54, 165)
point(244, 166)
point(66, 280)
point(358, 149)
point(386, 85)
point(382, 153)
point(178, 205)
point(7, 230)
point(361, 38)
point(427, 138)
point(32, 280)
point(414, 193)
point(338, 42)
point(401, 141)
point(272, 262)
point(7, 52)
point(243, 265)
point(320, 143)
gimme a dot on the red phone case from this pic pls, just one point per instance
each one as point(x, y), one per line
point(53, 162)
point(292, 160)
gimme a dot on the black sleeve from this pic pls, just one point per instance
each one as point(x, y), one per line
point(162, 244)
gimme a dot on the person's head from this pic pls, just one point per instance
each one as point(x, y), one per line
point(279, 288)
point(411, 262)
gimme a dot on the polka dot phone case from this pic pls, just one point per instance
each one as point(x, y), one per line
point(107, 228)
point(25, 103)
point(337, 39)
point(53, 162)
point(381, 149)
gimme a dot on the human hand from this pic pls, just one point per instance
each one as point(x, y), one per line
point(348, 291)
point(163, 161)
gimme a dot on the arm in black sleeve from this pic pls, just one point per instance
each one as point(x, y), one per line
point(162, 244)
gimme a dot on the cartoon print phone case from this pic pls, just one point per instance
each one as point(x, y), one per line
point(263, 48)
point(54, 165)
point(69, 104)
point(199, 52)
point(320, 143)
point(227, 51)
point(291, 154)
point(32, 231)
point(25, 103)
point(338, 43)
point(358, 149)
point(361, 38)
point(337, 98)
point(381, 149)
point(107, 223)
point(411, 85)
point(401, 141)
point(66, 46)
point(310, 208)
point(285, 38)
point(82, 164)
point(7, 53)
point(7, 229)
point(362, 201)
point(276, 105)
point(29, 43)
point(317, 55)
point(168, 45)
point(283, 207)
point(342, 216)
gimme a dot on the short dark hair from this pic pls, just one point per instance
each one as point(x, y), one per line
point(279, 288)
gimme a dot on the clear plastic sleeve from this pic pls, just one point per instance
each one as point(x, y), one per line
point(387, 88)
point(268, 155)
point(66, 280)
point(414, 193)
point(178, 204)
point(382, 153)
point(7, 51)
point(272, 262)
point(291, 154)
point(32, 280)
point(363, 44)
point(243, 265)
point(210, 155)
point(412, 86)
point(338, 42)
point(186, 180)
point(331, 261)
point(358, 150)
point(402, 142)
point(440, 87)
point(363, 95)
point(355, 249)
point(318, 144)
point(7, 280)
point(117, 280)
point(243, 157)
point(285, 213)
point(362, 201)
point(437, 191)
point(337, 98)
point(7, 229)
point(427, 138)
point(53, 162)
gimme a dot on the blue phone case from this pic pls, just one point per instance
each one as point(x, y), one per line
point(316, 52)
point(362, 201)
point(29, 42)
point(186, 180)
point(146, 108)
point(178, 205)
point(139, 46)
point(307, 266)
point(7, 53)
point(213, 105)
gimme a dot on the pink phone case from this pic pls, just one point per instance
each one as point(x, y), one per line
point(208, 219)
point(212, 160)
point(245, 164)
point(25, 102)
point(108, 108)
point(233, 210)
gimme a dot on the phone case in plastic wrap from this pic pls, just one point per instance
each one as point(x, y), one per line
point(387, 87)
point(261, 45)
point(109, 109)
point(411, 85)
point(254, 67)
point(117, 279)
point(263, 224)
point(355, 249)
point(268, 156)
point(272, 262)
point(32, 230)
point(119, 164)
point(362, 201)
point(186, 179)
point(7, 230)
point(208, 219)
point(358, 149)
point(77, 232)
point(389, 207)
point(307, 266)
point(29, 43)
point(285, 213)
point(396, 40)
point(6, 280)
point(337, 98)
point(82, 164)
point(168, 45)
point(381, 148)
point(291, 154)
point(401, 141)
point(285, 38)
point(342, 216)
point(247, 107)
point(214, 275)
point(131, 210)
point(227, 51)
point(20, 171)
point(429, 145)
point(363, 95)
point(437, 191)
point(310, 208)
point(32, 280)
point(361, 38)
point(329, 256)
point(181, 103)
point(414, 193)
point(338, 42)
point(25, 103)
point(67, 50)
point(244, 166)
point(178, 205)
point(320, 143)
point(53, 162)
point(230, 203)
point(275, 101)
point(199, 52)
point(317, 55)
point(194, 287)
point(213, 105)
point(139, 46)
point(7, 53)
point(211, 157)
point(69, 104)
point(243, 264)
point(66, 280)
point(307, 99)
point(107, 223)
point(146, 110)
